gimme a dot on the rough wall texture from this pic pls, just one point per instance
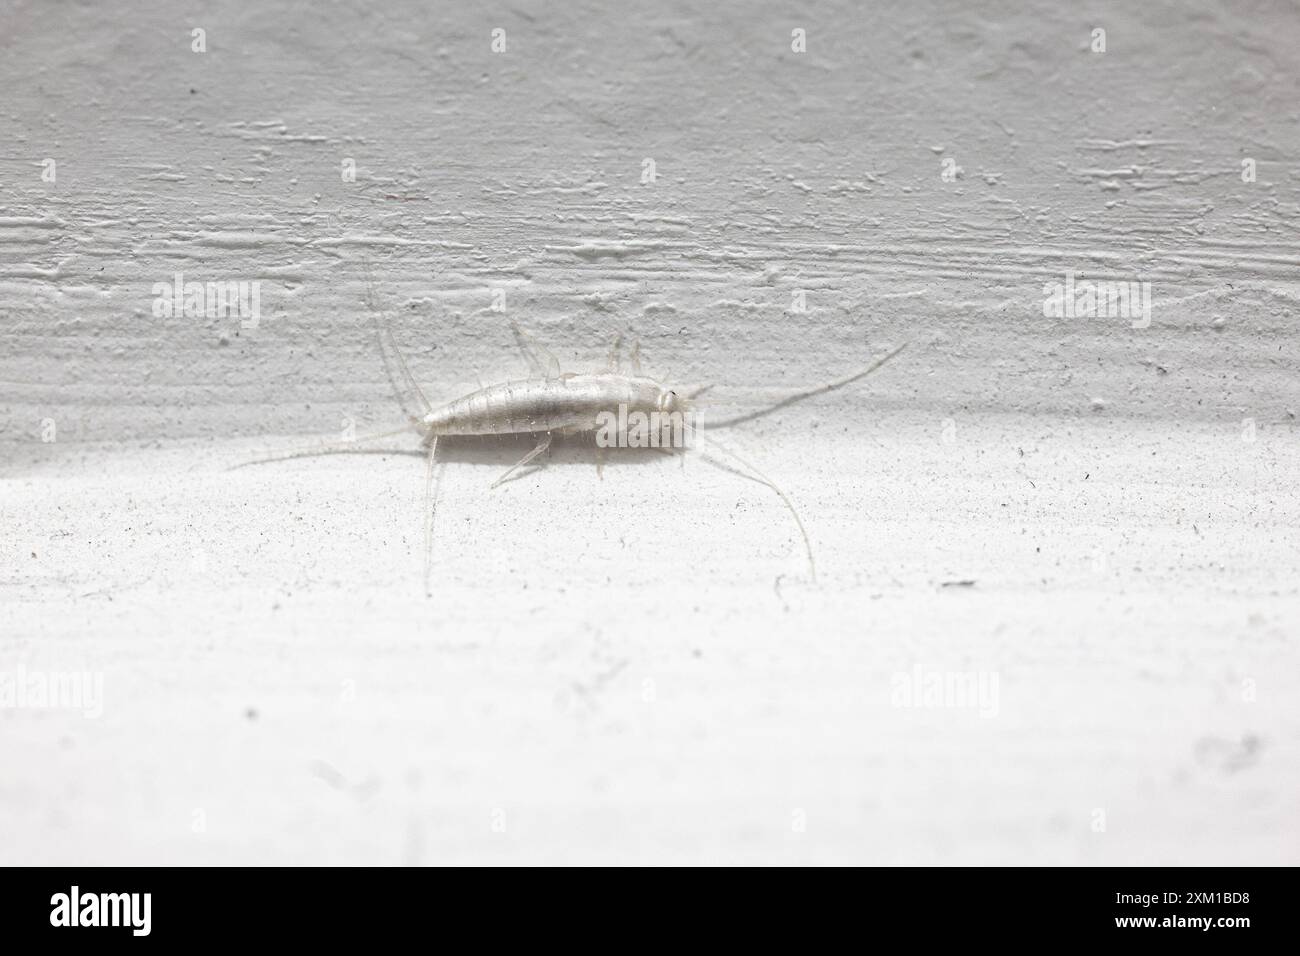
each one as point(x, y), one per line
point(776, 172)
point(608, 665)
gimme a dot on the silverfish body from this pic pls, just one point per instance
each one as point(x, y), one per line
point(568, 403)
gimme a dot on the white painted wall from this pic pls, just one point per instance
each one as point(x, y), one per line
point(637, 669)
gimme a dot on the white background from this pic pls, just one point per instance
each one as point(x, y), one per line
point(638, 669)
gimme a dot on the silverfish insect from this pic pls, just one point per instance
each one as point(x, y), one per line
point(551, 403)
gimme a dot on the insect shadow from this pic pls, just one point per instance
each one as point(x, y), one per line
point(498, 451)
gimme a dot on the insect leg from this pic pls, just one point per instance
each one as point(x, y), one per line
point(534, 363)
point(548, 369)
point(542, 445)
point(615, 363)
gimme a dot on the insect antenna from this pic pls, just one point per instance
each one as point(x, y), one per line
point(430, 504)
point(762, 479)
point(807, 393)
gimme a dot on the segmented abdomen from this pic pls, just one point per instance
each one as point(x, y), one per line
point(540, 405)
